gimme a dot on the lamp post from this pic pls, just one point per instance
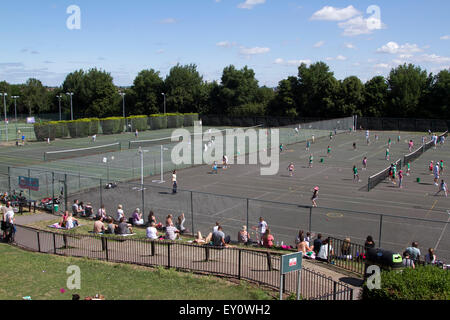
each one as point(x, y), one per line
point(6, 122)
point(15, 106)
point(123, 107)
point(164, 102)
point(59, 98)
point(71, 106)
point(141, 154)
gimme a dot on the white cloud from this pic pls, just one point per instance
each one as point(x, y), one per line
point(335, 14)
point(433, 58)
point(225, 44)
point(319, 44)
point(350, 46)
point(253, 51)
point(249, 4)
point(359, 25)
point(446, 37)
point(339, 57)
point(394, 48)
point(160, 51)
point(292, 62)
point(382, 65)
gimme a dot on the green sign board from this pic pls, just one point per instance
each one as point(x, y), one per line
point(291, 262)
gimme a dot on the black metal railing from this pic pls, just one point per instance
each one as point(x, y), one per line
point(257, 266)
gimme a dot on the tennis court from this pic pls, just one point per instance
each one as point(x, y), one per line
point(346, 208)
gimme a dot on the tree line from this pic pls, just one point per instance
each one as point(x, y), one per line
point(408, 91)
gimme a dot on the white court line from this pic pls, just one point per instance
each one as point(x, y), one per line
point(442, 233)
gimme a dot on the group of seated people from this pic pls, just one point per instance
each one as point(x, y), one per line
point(412, 257)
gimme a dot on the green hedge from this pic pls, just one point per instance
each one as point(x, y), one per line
point(189, 119)
point(43, 131)
point(80, 128)
point(112, 125)
point(422, 283)
point(157, 121)
point(175, 120)
point(138, 122)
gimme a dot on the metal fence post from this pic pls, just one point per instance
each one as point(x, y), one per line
point(381, 229)
point(334, 290)
point(247, 213)
point(168, 255)
point(143, 199)
point(39, 242)
point(9, 180)
point(101, 192)
point(106, 248)
point(65, 193)
point(29, 178)
point(54, 243)
point(53, 192)
point(192, 214)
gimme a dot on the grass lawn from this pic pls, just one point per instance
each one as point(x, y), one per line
point(42, 277)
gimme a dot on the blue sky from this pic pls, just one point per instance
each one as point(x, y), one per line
point(271, 36)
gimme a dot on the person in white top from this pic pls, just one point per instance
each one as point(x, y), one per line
point(174, 181)
point(152, 233)
point(120, 213)
point(262, 226)
point(325, 248)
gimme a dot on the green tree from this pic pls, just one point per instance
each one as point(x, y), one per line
point(316, 91)
point(440, 97)
point(407, 85)
point(147, 89)
point(284, 102)
point(34, 96)
point(352, 96)
point(376, 94)
point(185, 89)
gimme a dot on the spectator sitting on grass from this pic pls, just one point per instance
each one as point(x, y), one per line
point(136, 218)
point(303, 247)
point(82, 209)
point(317, 244)
point(300, 234)
point(71, 222)
point(120, 213)
point(243, 236)
point(169, 220)
point(407, 261)
point(151, 218)
point(345, 249)
point(99, 227)
point(216, 227)
point(88, 210)
point(430, 258)
point(63, 222)
point(369, 244)
point(171, 232)
point(101, 212)
point(219, 239)
point(180, 223)
point(414, 251)
point(111, 229)
point(200, 240)
point(325, 249)
point(75, 208)
point(152, 233)
point(124, 228)
point(267, 239)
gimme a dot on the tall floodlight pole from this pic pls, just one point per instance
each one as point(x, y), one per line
point(123, 108)
point(59, 98)
point(15, 105)
point(71, 105)
point(4, 102)
point(164, 102)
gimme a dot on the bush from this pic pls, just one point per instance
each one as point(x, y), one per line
point(43, 131)
point(94, 127)
point(79, 128)
point(189, 119)
point(175, 120)
point(138, 122)
point(112, 125)
point(60, 128)
point(422, 283)
point(157, 121)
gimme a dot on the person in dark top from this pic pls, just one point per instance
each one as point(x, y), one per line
point(369, 244)
point(318, 244)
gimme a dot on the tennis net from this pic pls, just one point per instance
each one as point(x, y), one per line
point(416, 154)
point(81, 152)
point(375, 179)
point(135, 144)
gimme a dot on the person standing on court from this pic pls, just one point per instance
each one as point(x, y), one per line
point(174, 181)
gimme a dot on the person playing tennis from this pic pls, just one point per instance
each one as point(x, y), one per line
point(315, 196)
point(311, 159)
point(408, 169)
point(443, 187)
point(364, 163)
point(308, 145)
point(214, 168)
point(291, 169)
point(441, 166)
point(387, 154)
point(356, 174)
point(328, 151)
point(400, 179)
